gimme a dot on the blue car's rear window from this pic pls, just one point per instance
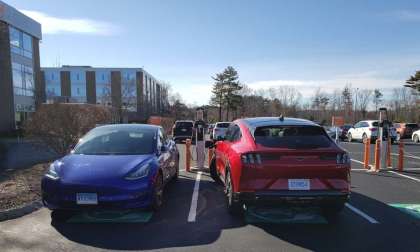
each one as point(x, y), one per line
point(292, 137)
point(114, 141)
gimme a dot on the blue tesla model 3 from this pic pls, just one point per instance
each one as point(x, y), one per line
point(124, 166)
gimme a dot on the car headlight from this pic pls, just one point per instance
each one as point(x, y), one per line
point(52, 172)
point(139, 172)
point(343, 158)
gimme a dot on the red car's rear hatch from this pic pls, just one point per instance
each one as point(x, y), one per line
point(286, 170)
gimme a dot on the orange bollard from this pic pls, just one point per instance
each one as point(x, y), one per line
point(367, 153)
point(211, 152)
point(388, 153)
point(401, 156)
point(188, 155)
point(377, 154)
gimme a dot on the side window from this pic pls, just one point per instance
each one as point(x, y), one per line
point(365, 124)
point(357, 125)
point(236, 133)
point(233, 133)
point(229, 131)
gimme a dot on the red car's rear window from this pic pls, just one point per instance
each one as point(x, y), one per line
point(292, 137)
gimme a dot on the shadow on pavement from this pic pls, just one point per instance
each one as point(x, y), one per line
point(168, 228)
point(396, 231)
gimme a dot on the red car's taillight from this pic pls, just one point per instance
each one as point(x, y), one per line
point(373, 129)
point(251, 158)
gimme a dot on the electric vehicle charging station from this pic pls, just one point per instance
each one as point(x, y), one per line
point(383, 124)
point(199, 133)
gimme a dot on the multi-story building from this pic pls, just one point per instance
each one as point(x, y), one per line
point(130, 89)
point(19, 67)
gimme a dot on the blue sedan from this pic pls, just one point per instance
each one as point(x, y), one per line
point(123, 166)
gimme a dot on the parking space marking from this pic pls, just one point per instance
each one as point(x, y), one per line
point(406, 155)
point(357, 161)
point(362, 214)
point(405, 176)
point(194, 200)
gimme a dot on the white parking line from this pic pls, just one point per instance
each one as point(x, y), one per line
point(405, 176)
point(362, 214)
point(357, 161)
point(194, 200)
point(406, 155)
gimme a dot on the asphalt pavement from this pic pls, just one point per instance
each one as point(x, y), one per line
point(368, 223)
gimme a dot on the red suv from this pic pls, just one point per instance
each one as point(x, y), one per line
point(276, 161)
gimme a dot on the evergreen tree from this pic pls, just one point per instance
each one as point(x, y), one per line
point(226, 91)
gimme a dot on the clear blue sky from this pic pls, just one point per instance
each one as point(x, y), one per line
point(303, 43)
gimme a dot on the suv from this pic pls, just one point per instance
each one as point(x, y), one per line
point(368, 129)
point(416, 136)
point(182, 130)
point(219, 130)
point(275, 161)
point(405, 130)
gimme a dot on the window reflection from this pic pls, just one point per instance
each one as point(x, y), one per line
point(20, 42)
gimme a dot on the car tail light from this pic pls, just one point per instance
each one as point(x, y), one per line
point(343, 158)
point(373, 129)
point(251, 158)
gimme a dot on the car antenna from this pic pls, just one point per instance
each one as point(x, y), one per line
point(281, 118)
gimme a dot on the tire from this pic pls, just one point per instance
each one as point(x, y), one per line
point(213, 171)
point(234, 207)
point(157, 197)
point(332, 210)
point(364, 137)
point(59, 215)
point(176, 176)
point(349, 138)
point(416, 138)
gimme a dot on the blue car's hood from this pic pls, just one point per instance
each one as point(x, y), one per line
point(98, 169)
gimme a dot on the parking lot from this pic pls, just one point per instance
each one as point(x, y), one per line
point(194, 218)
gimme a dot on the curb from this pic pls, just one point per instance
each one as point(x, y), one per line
point(19, 212)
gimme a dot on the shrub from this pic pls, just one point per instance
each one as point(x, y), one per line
point(59, 126)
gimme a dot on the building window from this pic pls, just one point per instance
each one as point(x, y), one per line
point(20, 42)
point(23, 80)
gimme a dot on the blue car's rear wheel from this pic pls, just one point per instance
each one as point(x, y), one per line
point(157, 196)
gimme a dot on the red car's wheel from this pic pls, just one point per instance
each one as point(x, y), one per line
point(213, 171)
point(234, 207)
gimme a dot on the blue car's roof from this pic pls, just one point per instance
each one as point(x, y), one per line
point(130, 126)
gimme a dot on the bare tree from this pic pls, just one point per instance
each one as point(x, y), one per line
point(66, 124)
point(364, 97)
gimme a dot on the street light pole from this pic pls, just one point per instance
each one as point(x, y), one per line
point(355, 106)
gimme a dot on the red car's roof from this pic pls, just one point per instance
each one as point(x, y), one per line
point(270, 121)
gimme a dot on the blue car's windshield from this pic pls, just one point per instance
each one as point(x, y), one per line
point(117, 141)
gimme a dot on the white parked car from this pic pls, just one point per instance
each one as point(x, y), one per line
point(368, 129)
point(416, 136)
point(219, 129)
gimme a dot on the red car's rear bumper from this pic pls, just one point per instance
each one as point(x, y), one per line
point(316, 197)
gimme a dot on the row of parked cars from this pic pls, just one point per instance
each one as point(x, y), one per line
point(370, 129)
point(264, 161)
point(182, 130)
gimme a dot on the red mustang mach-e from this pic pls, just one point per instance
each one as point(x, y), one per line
point(280, 161)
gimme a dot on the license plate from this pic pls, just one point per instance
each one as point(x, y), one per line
point(183, 130)
point(87, 199)
point(299, 184)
